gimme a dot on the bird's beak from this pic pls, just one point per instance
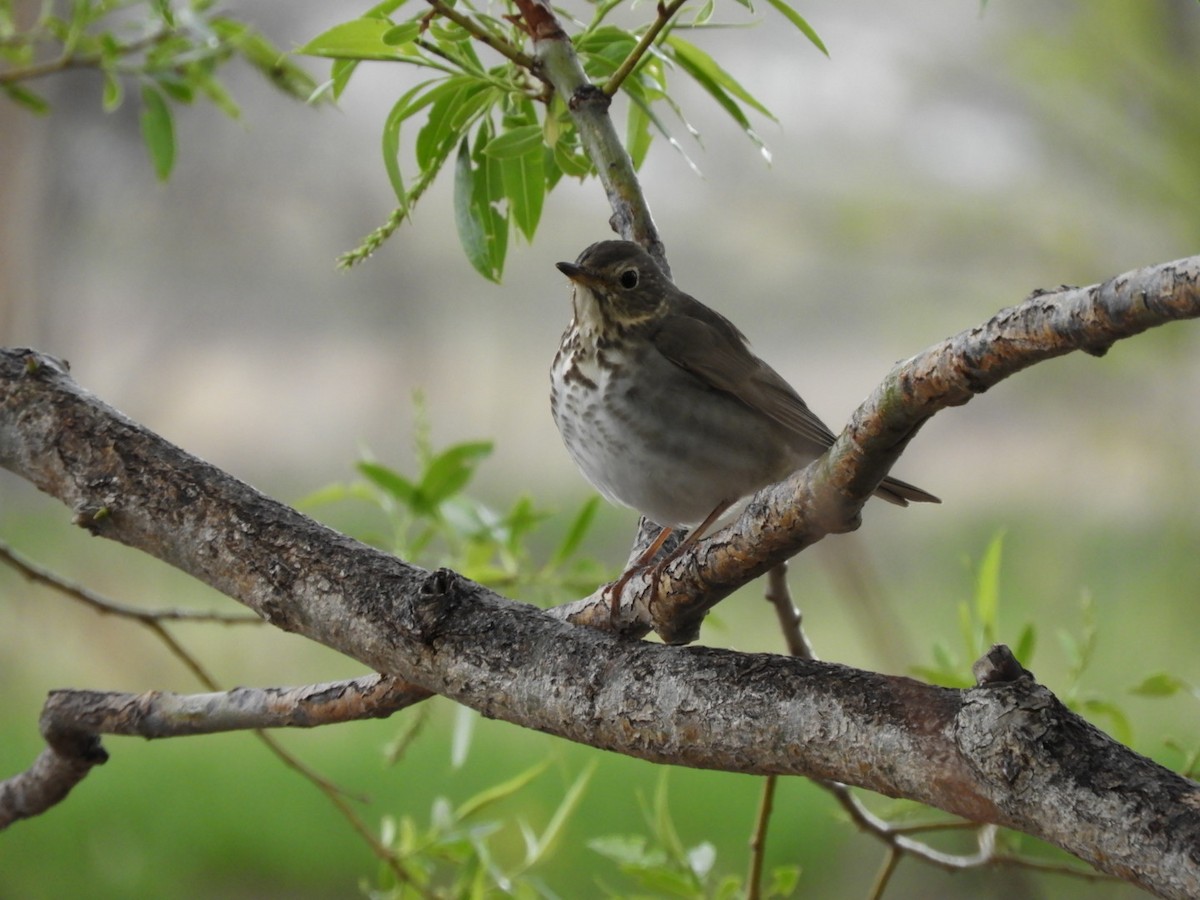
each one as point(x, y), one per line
point(574, 272)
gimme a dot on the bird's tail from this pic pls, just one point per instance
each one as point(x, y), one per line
point(893, 490)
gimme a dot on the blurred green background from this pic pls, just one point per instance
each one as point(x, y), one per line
point(944, 162)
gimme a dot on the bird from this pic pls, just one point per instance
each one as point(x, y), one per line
point(665, 409)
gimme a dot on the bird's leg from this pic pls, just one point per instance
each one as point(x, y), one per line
point(642, 561)
point(638, 564)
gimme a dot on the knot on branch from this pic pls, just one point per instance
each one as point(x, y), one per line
point(435, 602)
point(66, 738)
point(1003, 725)
point(998, 666)
point(40, 365)
point(589, 95)
point(92, 517)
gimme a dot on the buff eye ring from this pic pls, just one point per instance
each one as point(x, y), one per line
point(629, 279)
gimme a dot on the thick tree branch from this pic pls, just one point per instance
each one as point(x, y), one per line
point(72, 723)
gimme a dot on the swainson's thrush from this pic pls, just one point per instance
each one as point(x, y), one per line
point(663, 406)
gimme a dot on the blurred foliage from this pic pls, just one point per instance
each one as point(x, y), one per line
point(663, 866)
point(1118, 82)
point(434, 522)
point(169, 52)
point(511, 136)
point(454, 856)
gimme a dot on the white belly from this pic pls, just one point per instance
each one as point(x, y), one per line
point(677, 465)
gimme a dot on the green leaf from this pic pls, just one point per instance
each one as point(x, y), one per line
point(515, 142)
point(987, 590)
point(571, 161)
point(449, 471)
point(460, 741)
point(401, 110)
point(390, 481)
point(404, 33)
point(524, 181)
point(482, 231)
point(708, 72)
point(158, 131)
point(545, 842)
point(783, 881)
point(439, 134)
point(498, 792)
point(576, 532)
point(798, 20)
point(625, 849)
point(365, 38)
point(266, 58)
point(1026, 644)
point(217, 94)
point(637, 134)
point(340, 73)
point(26, 98)
point(1160, 685)
point(113, 92)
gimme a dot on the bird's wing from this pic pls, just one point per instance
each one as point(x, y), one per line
point(706, 344)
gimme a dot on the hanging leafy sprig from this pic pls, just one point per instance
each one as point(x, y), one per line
point(510, 134)
point(169, 55)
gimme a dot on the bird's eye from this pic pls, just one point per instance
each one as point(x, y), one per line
point(629, 279)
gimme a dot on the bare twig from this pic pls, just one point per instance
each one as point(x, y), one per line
point(81, 61)
point(665, 14)
point(105, 606)
point(481, 34)
point(758, 840)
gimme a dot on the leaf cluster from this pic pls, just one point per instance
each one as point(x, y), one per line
point(663, 865)
point(488, 106)
point(455, 854)
point(432, 518)
point(169, 53)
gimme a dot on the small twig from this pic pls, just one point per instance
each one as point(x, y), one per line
point(665, 14)
point(104, 606)
point(337, 796)
point(83, 61)
point(790, 619)
point(777, 595)
point(758, 840)
point(898, 842)
point(481, 34)
point(884, 875)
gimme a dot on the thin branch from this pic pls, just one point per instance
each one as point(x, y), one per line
point(105, 606)
point(665, 14)
point(758, 840)
point(82, 61)
point(481, 34)
point(788, 614)
point(891, 859)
